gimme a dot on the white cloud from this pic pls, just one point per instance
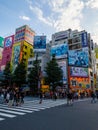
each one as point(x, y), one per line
point(92, 4)
point(63, 14)
point(57, 5)
point(29, 2)
point(95, 36)
point(39, 14)
point(24, 18)
point(70, 17)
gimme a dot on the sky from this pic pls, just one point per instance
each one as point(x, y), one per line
point(49, 16)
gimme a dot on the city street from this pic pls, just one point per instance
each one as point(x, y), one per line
point(51, 115)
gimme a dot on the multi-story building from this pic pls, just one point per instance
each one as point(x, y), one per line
point(77, 46)
point(7, 51)
point(23, 46)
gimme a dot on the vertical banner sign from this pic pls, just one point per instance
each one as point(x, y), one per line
point(84, 39)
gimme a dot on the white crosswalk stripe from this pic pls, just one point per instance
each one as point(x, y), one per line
point(27, 107)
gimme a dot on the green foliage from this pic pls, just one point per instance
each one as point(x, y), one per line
point(7, 69)
point(33, 77)
point(19, 75)
point(54, 73)
point(7, 74)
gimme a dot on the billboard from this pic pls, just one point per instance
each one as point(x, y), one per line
point(20, 33)
point(78, 71)
point(8, 41)
point(78, 58)
point(63, 66)
point(84, 39)
point(80, 83)
point(39, 43)
point(60, 51)
point(16, 55)
point(1, 42)
point(24, 33)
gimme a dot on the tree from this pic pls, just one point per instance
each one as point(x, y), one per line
point(19, 75)
point(7, 74)
point(34, 76)
point(54, 73)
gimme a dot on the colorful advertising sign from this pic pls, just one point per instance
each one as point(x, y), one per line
point(24, 33)
point(1, 42)
point(20, 33)
point(79, 82)
point(84, 39)
point(63, 66)
point(8, 41)
point(78, 71)
point(78, 58)
point(16, 55)
point(60, 51)
point(39, 43)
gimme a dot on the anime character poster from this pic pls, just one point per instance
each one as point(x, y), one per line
point(79, 71)
point(63, 66)
point(78, 58)
point(16, 56)
point(60, 51)
point(40, 43)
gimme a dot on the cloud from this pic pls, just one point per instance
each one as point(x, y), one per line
point(39, 13)
point(61, 14)
point(24, 18)
point(29, 2)
point(95, 36)
point(92, 4)
point(69, 14)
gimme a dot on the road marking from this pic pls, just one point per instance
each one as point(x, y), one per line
point(7, 115)
point(13, 112)
point(1, 119)
point(27, 111)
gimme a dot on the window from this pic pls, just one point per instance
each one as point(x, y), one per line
point(30, 62)
point(74, 83)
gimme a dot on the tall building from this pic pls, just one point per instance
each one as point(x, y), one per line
point(7, 51)
point(23, 46)
point(73, 50)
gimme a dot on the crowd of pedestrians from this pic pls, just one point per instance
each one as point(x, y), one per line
point(11, 97)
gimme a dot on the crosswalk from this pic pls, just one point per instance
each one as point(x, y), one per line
point(27, 107)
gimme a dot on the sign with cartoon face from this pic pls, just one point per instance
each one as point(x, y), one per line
point(8, 42)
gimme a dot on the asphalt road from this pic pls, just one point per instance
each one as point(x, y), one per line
point(81, 116)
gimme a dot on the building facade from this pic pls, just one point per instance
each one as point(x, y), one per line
point(7, 51)
point(23, 46)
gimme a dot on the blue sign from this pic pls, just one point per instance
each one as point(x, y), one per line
point(39, 43)
point(78, 58)
point(60, 51)
point(8, 42)
point(84, 39)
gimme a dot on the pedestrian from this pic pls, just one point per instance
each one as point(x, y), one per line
point(93, 95)
point(11, 99)
point(69, 98)
point(41, 96)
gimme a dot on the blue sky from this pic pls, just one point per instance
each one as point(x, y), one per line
point(49, 16)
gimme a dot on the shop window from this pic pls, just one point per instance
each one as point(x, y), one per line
point(74, 83)
point(25, 47)
point(80, 85)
